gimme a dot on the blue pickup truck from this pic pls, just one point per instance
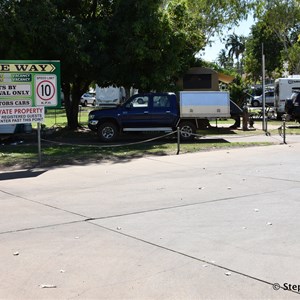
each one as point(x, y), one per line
point(160, 112)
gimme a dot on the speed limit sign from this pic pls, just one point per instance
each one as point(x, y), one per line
point(45, 90)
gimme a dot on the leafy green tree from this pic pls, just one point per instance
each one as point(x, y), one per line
point(294, 57)
point(83, 51)
point(145, 44)
point(260, 35)
point(150, 44)
point(124, 42)
point(238, 91)
point(63, 30)
point(215, 16)
point(282, 18)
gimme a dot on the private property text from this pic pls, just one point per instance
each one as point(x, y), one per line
point(21, 115)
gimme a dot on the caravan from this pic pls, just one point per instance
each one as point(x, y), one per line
point(284, 88)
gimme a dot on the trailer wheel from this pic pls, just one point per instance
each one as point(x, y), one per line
point(187, 130)
point(107, 132)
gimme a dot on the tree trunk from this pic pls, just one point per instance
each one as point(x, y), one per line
point(73, 116)
point(67, 98)
point(245, 118)
point(72, 101)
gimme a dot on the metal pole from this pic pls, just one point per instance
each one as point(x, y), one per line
point(264, 125)
point(39, 143)
point(178, 140)
point(283, 125)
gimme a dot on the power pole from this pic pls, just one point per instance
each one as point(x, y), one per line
point(264, 125)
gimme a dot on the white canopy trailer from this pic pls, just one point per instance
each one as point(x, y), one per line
point(109, 96)
point(204, 104)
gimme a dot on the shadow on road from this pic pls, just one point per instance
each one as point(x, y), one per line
point(20, 174)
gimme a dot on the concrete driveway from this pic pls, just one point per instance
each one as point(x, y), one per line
point(210, 225)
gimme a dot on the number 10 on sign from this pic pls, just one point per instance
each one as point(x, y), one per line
point(45, 90)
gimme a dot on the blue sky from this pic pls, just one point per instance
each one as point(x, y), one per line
point(211, 53)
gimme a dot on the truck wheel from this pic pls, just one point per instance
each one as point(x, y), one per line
point(187, 130)
point(255, 103)
point(107, 132)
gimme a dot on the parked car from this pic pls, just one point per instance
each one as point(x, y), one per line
point(292, 106)
point(88, 98)
point(258, 100)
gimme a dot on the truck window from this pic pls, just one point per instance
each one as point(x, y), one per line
point(161, 102)
point(138, 102)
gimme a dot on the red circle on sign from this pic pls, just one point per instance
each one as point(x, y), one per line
point(46, 83)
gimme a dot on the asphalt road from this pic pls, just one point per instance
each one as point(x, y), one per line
point(210, 225)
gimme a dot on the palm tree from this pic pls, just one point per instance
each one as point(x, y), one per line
point(224, 60)
point(236, 46)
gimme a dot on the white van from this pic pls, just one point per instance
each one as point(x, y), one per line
point(284, 87)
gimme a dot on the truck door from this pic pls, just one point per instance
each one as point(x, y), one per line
point(136, 112)
point(163, 111)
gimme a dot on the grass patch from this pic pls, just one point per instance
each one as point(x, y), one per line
point(56, 117)
point(25, 155)
point(61, 147)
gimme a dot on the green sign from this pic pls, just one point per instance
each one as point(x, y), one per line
point(29, 83)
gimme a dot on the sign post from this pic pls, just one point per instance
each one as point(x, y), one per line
point(39, 142)
point(27, 87)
